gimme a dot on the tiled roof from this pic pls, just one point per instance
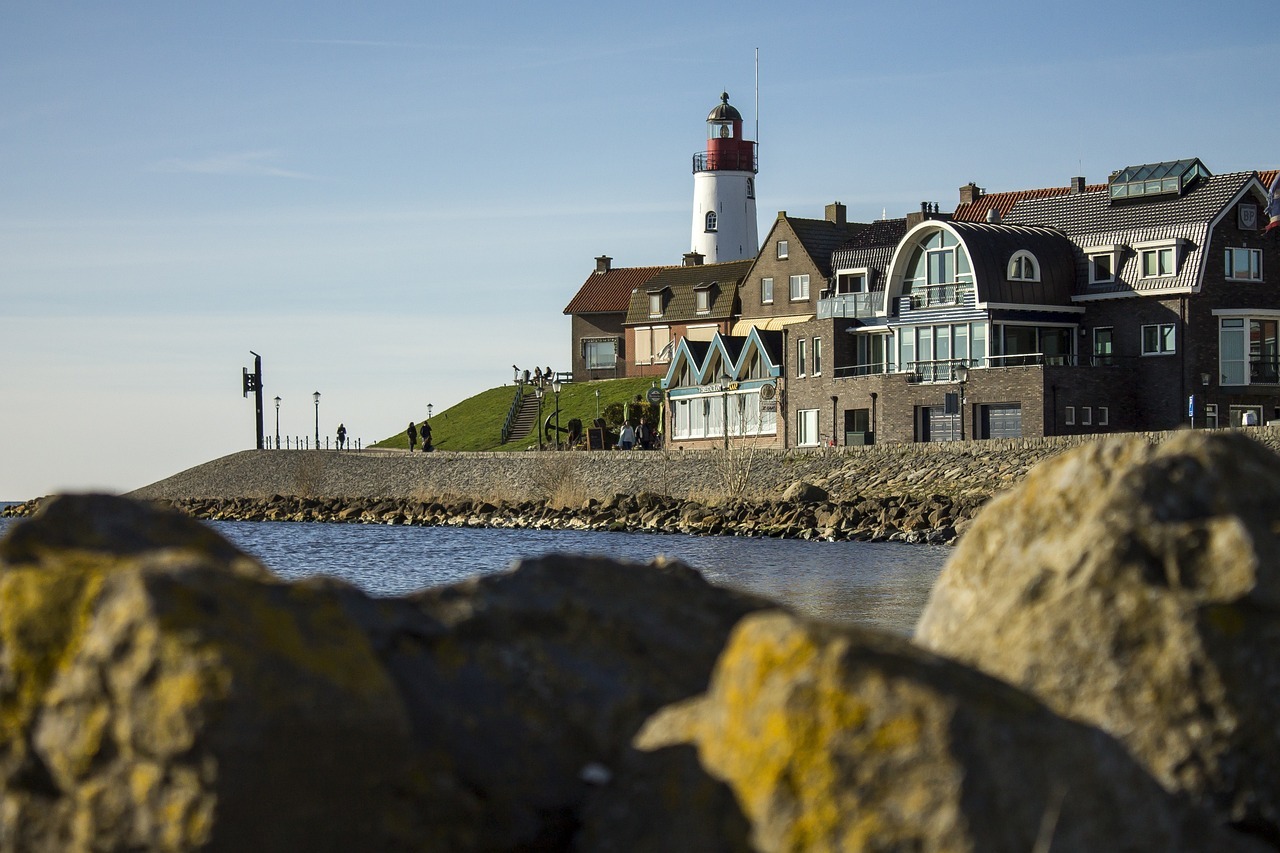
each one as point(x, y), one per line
point(821, 237)
point(1090, 219)
point(871, 248)
point(978, 209)
point(682, 281)
point(609, 292)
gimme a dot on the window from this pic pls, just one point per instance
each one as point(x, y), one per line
point(1104, 416)
point(600, 354)
point(1101, 269)
point(807, 428)
point(1244, 264)
point(1070, 419)
point(703, 300)
point(782, 250)
point(653, 344)
point(1086, 415)
point(1104, 345)
point(851, 282)
point(711, 220)
point(655, 304)
point(1159, 339)
point(766, 291)
point(801, 348)
point(1023, 266)
point(751, 187)
point(1157, 262)
point(799, 288)
point(817, 356)
point(1249, 351)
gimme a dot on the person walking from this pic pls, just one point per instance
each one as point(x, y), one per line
point(342, 436)
point(627, 438)
point(412, 432)
point(427, 446)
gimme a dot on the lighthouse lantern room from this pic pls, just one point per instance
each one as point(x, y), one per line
point(724, 189)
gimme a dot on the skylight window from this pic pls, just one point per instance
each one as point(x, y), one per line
point(1155, 179)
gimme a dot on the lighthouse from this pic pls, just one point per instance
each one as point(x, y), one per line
point(724, 190)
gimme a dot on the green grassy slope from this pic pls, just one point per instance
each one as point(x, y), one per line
point(476, 423)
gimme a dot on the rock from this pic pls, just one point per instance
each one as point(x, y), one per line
point(836, 738)
point(532, 675)
point(802, 492)
point(159, 690)
point(1137, 588)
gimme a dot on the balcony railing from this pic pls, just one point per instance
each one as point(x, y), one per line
point(864, 369)
point(847, 305)
point(936, 295)
point(935, 371)
point(728, 161)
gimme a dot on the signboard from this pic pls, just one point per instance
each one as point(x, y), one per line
point(655, 395)
point(595, 439)
point(1248, 217)
point(1191, 406)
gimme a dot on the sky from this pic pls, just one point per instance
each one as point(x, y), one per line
point(393, 202)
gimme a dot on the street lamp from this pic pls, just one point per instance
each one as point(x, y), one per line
point(277, 423)
point(428, 411)
point(962, 376)
point(316, 397)
point(555, 386)
point(538, 391)
point(724, 390)
point(597, 404)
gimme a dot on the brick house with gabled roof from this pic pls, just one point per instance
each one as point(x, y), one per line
point(597, 312)
point(792, 269)
point(692, 301)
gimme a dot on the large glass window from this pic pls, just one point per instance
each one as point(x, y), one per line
point(600, 354)
point(1244, 264)
point(1263, 353)
point(1159, 339)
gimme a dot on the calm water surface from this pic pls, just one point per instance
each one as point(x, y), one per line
point(879, 584)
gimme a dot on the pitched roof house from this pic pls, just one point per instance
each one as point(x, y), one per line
point(597, 312)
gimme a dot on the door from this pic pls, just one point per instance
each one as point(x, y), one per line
point(1002, 420)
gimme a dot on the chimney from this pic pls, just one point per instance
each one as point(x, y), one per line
point(837, 213)
point(1077, 186)
point(603, 264)
point(693, 259)
point(970, 192)
point(993, 215)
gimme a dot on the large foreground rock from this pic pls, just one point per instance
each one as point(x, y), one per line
point(839, 739)
point(1136, 587)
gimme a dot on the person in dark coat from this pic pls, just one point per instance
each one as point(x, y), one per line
point(412, 432)
point(427, 446)
point(342, 436)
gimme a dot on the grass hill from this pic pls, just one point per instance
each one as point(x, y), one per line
point(476, 423)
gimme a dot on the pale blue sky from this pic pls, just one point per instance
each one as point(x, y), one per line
point(393, 203)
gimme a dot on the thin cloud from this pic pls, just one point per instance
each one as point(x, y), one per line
point(241, 164)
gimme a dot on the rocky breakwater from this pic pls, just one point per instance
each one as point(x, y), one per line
point(803, 511)
point(160, 690)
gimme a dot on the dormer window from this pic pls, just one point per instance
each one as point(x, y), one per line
point(782, 250)
point(1158, 259)
point(851, 281)
point(702, 298)
point(655, 304)
point(1102, 263)
point(711, 221)
point(1023, 266)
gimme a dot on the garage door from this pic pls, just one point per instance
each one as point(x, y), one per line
point(1002, 420)
point(943, 427)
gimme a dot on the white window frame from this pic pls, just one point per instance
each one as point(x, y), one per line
point(1111, 253)
point(1252, 274)
point(1164, 331)
point(817, 356)
point(655, 304)
point(806, 423)
point(1023, 266)
point(766, 298)
point(798, 284)
point(711, 222)
point(702, 301)
point(862, 274)
point(1154, 249)
point(783, 250)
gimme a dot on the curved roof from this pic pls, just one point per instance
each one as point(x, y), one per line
point(723, 111)
point(991, 246)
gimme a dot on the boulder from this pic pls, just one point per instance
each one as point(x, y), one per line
point(802, 492)
point(160, 690)
point(1137, 587)
point(844, 739)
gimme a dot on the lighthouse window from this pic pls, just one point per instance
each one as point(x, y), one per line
point(711, 220)
point(751, 188)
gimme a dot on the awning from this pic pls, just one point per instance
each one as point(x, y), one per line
point(771, 324)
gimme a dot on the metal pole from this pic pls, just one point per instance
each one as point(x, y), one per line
point(557, 420)
point(277, 423)
point(316, 397)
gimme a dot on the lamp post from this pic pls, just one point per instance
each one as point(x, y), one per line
point(277, 423)
point(962, 376)
point(537, 390)
point(597, 404)
point(428, 411)
point(555, 386)
point(316, 397)
point(724, 390)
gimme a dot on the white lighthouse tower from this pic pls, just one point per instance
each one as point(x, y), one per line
point(724, 190)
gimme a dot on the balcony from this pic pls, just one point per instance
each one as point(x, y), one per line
point(936, 296)
point(857, 305)
point(850, 370)
point(727, 161)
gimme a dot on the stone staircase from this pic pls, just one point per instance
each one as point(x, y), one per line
point(526, 420)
